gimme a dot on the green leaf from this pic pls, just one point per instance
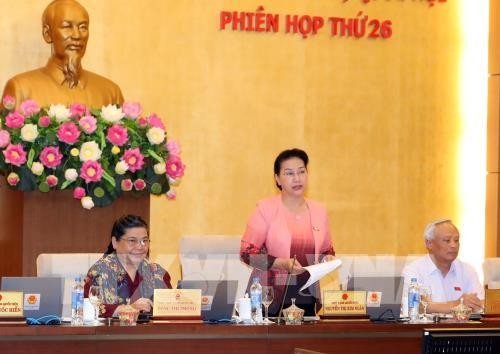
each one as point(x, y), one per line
point(103, 139)
point(99, 192)
point(155, 156)
point(31, 155)
point(66, 184)
point(44, 187)
point(156, 188)
point(109, 179)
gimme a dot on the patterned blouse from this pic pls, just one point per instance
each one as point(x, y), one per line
point(118, 286)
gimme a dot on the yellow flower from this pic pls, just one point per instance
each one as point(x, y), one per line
point(115, 150)
point(74, 152)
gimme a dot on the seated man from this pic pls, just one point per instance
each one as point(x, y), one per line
point(449, 279)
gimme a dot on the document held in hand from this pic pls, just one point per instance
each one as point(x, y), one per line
point(318, 271)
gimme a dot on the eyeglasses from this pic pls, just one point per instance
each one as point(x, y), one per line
point(132, 242)
point(291, 174)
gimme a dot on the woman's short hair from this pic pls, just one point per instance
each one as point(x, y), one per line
point(288, 154)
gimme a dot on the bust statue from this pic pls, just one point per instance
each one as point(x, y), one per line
point(65, 26)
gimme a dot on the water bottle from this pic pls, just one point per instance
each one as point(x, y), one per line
point(77, 303)
point(413, 300)
point(256, 300)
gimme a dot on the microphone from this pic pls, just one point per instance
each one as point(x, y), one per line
point(289, 275)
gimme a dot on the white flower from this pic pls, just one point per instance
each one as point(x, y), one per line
point(60, 112)
point(87, 202)
point(159, 168)
point(121, 167)
point(37, 168)
point(29, 132)
point(156, 135)
point(111, 113)
point(71, 174)
point(90, 151)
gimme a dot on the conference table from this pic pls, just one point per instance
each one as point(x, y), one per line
point(187, 337)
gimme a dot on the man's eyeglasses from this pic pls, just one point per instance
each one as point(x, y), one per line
point(132, 242)
point(291, 174)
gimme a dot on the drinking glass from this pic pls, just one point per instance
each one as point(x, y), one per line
point(96, 299)
point(425, 299)
point(267, 299)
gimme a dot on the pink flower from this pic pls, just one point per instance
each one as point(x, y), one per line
point(15, 154)
point(139, 184)
point(14, 120)
point(173, 147)
point(29, 107)
point(143, 121)
point(78, 110)
point(117, 135)
point(50, 156)
point(51, 180)
point(134, 159)
point(171, 195)
point(9, 102)
point(4, 138)
point(78, 193)
point(132, 109)
point(155, 121)
point(126, 185)
point(44, 121)
point(13, 179)
point(88, 124)
point(91, 171)
point(174, 166)
point(68, 133)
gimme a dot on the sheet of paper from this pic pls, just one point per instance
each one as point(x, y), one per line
point(318, 271)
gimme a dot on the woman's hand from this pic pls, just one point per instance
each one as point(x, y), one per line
point(287, 263)
point(328, 258)
point(143, 304)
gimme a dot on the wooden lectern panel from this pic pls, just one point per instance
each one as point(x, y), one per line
point(11, 237)
point(55, 222)
point(492, 241)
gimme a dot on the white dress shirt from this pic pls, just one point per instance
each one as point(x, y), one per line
point(460, 279)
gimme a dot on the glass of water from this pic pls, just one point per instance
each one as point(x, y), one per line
point(267, 299)
point(96, 299)
point(425, 299)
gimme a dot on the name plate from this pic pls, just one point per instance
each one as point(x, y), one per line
point(11, 304)
point(337, 302)
point(492, 302)
point(177, 303)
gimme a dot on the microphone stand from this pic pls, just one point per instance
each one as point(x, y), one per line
point(289, 275)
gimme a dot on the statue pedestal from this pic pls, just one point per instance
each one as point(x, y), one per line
point(55, 222)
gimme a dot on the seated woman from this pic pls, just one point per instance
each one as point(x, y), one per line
point(287, 232)
point(124, 271)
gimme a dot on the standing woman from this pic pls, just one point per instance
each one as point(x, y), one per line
point(287, 227)
point(125, 271)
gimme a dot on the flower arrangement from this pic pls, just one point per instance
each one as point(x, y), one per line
point(98, 153)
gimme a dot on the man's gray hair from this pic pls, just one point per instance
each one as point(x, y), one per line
point(431, 227)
